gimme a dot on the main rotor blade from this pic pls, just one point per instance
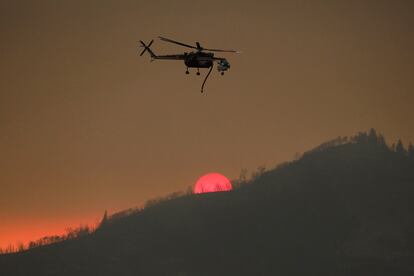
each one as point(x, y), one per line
point(176, 42)
point(219, 50)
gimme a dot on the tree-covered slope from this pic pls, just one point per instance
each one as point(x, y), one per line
point(344, 208)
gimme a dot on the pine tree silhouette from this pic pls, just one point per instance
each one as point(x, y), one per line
point(400, 148)
point(410, 151)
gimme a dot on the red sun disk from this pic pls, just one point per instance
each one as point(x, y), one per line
point(212, 182)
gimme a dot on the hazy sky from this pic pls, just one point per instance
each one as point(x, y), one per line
point(87, 125)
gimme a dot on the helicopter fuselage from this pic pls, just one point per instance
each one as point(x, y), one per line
point(198, 60)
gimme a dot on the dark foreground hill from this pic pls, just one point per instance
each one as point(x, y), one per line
point(344, 208)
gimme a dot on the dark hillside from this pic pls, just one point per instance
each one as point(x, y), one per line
point(344, 208)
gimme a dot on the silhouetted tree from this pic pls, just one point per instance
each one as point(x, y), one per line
point(400, 148)
point(73, 233)
point(83, 230)
point(104, 220)
point(260, 170)
point(20, 247)
point(32, 244)
point(361, 137)
point(10, 249)
point(410, 151)
point(372, 137)
point(189, 190)
point(381, 140)
point(241, 180)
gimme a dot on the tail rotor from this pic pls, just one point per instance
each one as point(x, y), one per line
point(147, 48)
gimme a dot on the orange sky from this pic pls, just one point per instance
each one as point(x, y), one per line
point(31, 229)
point(87, 125)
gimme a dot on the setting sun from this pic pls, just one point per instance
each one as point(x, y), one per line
point(212, 182)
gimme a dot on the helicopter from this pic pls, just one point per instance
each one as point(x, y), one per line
point(201, 58)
